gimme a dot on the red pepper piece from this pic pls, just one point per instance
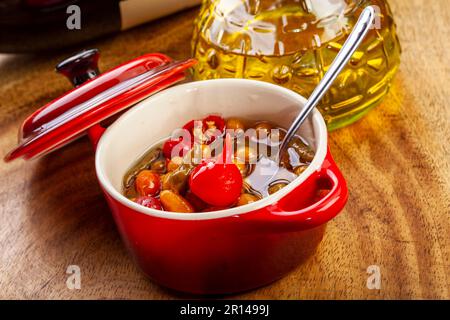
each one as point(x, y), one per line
point(170, 144)
point(217, 183)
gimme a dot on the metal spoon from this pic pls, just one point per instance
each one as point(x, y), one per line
point(355, 38)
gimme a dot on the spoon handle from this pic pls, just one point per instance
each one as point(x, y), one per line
point(351, 44)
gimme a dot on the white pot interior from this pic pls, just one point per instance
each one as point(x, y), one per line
point(156, 117)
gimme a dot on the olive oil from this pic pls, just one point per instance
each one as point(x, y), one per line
point(292, 43)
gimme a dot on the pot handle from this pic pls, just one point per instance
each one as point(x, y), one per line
point(80, 68)
point(285, 214)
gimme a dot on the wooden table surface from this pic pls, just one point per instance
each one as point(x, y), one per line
point(396, 161)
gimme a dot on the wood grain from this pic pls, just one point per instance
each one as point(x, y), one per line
point(396, 161)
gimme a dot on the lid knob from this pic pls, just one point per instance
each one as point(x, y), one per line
point(80, 67)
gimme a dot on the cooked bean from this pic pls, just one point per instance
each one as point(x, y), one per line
point(276, 187)
point(235, 124)
point(148, 183)
point(247, 188)
point(199, 153)
point(172, 201)
point(277, 136)
point(159, 166)
point(246, 154)
point(305, 153)
point(246, 198)
point(174, 163)
point(177, 180)
point(300, 169)
point(263, 129)
point(285, 160)
point(206, 151)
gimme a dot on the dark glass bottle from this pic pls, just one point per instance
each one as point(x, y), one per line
point(39, 25)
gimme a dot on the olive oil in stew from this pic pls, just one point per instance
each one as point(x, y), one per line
point(163, 177)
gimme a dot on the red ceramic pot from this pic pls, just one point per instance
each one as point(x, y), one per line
point(206, 253)
point(229, 250)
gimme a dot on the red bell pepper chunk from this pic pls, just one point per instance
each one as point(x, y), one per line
point(217, 182)
point(170, 144)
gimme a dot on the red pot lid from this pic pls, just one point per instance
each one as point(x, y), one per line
point(94, 99)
